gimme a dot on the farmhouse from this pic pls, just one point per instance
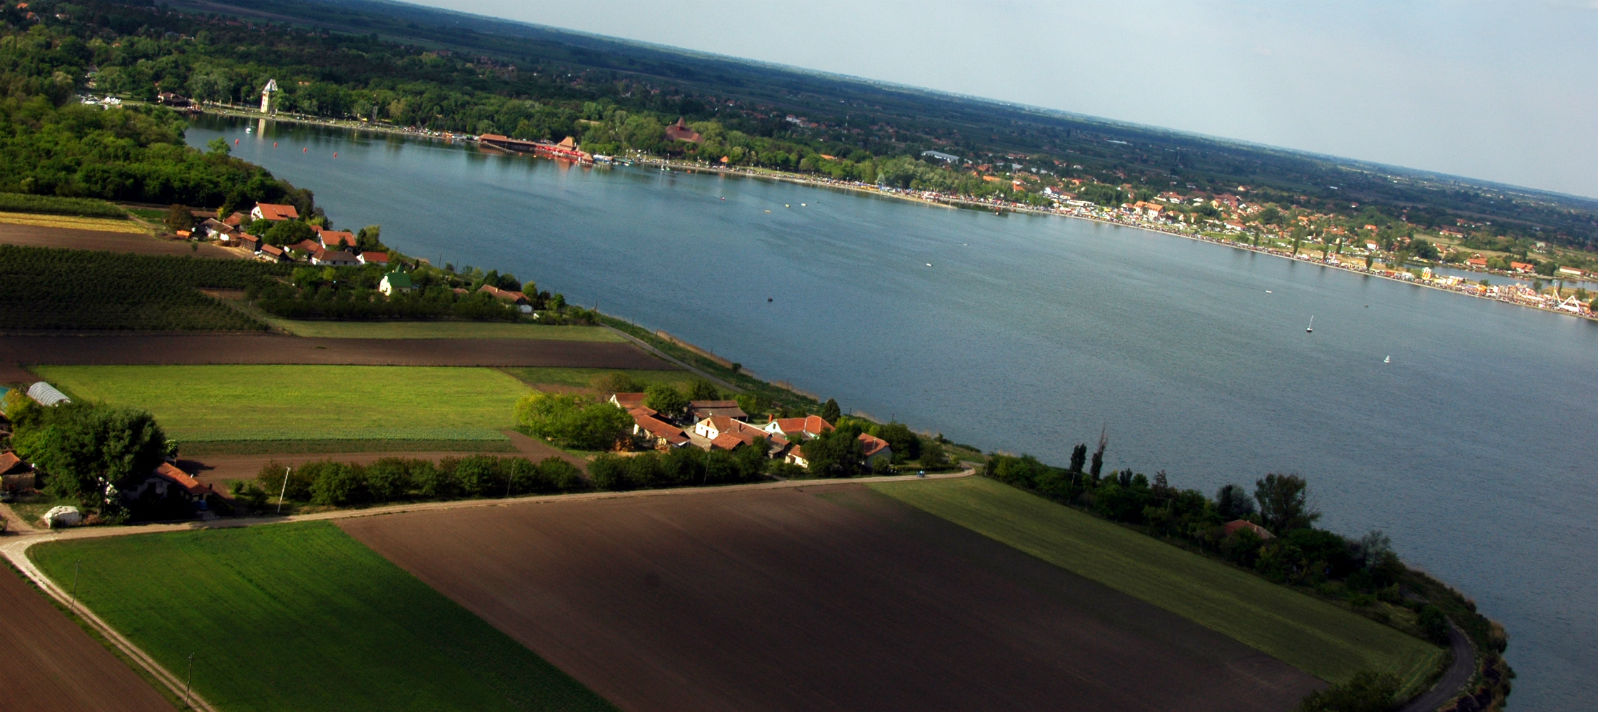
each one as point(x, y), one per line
point(657, 433)
point(274, 212)
point(336, 258)
point(15, 474)
point(335, 239)
point(791, 428)
point(706, 409)
point(515, 298)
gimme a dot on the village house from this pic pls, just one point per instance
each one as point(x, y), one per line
point(656, 433)
point(707, 408)
point(798, 428)
point(373, 257)
point(168, 480)
point(515, 298)
point(272, 253)
point(394, 282)
point(274, 212)
point(335, 239)
point(335, 258)
point(680, 131)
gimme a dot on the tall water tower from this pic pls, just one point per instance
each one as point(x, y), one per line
point(266, 94)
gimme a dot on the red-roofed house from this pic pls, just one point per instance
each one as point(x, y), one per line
point(707, 408)
point(169, 481)
point(516, 298)
point(1478, 262)
point(1522, 267)
point(335, 239)
point(874, 449)
point(680, 131)
point(272, 253)
point(628, 401)
point(373, 257)
point(274, 212)
point(809, 427)
point(1229, 529)
point(15, 474)
point(658, 433)
point(716, 428)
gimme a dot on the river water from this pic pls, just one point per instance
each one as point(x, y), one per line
point(1473, 447)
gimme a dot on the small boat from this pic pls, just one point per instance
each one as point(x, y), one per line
point(1308, 325)
point(1386, 358)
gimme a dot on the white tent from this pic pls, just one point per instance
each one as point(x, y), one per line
point(47, 395)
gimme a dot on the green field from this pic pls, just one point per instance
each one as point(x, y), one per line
point(302, 617)
point(286, 402)
point(1314, 636)
point(443, 330)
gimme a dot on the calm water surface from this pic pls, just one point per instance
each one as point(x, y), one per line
point(1474, 448)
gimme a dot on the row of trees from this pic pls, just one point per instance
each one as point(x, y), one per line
point(389, 480)
point(1298, 554)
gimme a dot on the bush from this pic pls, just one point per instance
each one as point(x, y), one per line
point(1365, 691)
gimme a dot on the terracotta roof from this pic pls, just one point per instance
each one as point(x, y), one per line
point(681, 132)
point(660, 429)
point(629, 400)
point(812, 425)
point(337, 238)
point(275, 211)
point(8, 461)
point(506, 295)
point(1237, 525)
point(374, 256)
point(708, 408)
point(872, 445)
point(176, 475)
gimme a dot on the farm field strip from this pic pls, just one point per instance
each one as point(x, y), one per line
point(102, 225)
point(314, 402)
point(52, 664)
point(204, 348)
point(1315, 636)
point(822, 596)
point(302, 617)
point(583, 378)
point(444, 330)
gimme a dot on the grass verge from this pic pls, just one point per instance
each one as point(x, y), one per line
point(244, 402)
point(302, 617)
point(1313, 636)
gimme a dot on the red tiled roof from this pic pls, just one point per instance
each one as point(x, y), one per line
point(660, 429)
point(811, 424)
point(1237, 525)
point(506, 295)
point(337, 238)
point(629, 400)
point(871, 445)
point(176, 475)
point(275, 211)
point(375, 257)
point(8, 460)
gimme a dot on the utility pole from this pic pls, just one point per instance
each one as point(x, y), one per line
point(283, 490)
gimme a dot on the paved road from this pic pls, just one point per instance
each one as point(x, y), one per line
point(1464, 661)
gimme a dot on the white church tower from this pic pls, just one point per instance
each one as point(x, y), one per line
point(266, 94)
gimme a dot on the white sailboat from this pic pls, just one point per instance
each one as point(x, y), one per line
point(1308, 324)
point(1386, 358)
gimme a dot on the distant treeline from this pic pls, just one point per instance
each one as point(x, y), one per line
point(420, 67)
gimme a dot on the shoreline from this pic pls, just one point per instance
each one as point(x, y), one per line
point(926, 198)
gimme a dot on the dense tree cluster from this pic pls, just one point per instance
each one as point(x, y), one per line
point(1296, 552)
point(679, 467)
point(398, 479)
point(85, 452)
point(572, 421)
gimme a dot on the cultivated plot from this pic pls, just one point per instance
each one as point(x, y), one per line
point(301, 617)
point(1318, 637)
point(52, 664)
point(312, 402)
point(823, 597)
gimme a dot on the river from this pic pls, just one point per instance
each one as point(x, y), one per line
point(1473, 446)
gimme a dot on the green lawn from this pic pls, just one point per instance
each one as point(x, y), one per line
point(444, 330)
point(302, 617)
point(1314, 636)
point(285, 402)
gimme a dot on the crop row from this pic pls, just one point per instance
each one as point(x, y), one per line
point(45, 288)
point(57, 205)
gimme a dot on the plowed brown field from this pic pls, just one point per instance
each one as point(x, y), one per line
point(822, 597)
point(52, 665)
point(21, 349)
point(117, 242)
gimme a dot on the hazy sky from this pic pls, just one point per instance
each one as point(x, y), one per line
point(1501, 90)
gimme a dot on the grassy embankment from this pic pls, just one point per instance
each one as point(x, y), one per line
point(302, 617)
point(307, 407)
point(442, 330)
point(1323, 640)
